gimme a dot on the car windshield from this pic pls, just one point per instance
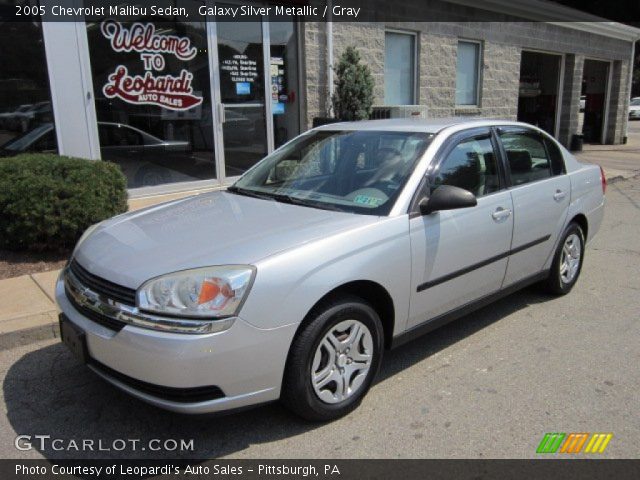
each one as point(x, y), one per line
point(351, 171)
point(635, 103)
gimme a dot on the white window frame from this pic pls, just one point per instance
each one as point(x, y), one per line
point(415, 36)
point(480, 58)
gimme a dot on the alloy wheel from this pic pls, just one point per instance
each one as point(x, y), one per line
point(342, 361)
point(570, 260)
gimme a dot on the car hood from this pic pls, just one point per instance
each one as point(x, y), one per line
point(216, 228)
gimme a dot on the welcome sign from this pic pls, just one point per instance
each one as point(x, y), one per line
point(167, 90)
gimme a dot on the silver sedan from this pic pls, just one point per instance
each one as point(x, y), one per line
point(351, 239)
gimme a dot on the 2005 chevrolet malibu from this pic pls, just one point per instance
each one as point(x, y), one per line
point(348, 240)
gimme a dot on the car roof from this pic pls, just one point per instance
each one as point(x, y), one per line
point(429, 125)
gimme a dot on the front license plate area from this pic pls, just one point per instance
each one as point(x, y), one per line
point(74, 338)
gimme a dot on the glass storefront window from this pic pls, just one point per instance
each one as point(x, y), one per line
point(153, 99)
point(163, 111)
point(26, 116)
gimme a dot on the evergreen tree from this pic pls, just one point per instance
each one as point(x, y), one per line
point(353, 95)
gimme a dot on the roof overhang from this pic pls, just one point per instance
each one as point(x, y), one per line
point(556, 14)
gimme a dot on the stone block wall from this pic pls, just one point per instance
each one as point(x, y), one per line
point(502, 46)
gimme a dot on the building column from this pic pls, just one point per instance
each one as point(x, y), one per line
point(570, 107)
point(314, 78)
point(618, 103)
point(71, 90)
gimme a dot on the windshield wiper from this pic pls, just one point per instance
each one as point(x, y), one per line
point(248, 193)
point(283, 198)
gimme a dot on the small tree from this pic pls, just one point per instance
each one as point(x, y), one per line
point(353, 96)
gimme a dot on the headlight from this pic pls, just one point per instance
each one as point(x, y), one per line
point(210, 292)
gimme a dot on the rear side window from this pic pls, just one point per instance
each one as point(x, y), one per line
point(557, 160)
point(527, 156)
point(471, 165)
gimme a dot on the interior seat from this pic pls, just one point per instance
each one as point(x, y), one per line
point(521, 166)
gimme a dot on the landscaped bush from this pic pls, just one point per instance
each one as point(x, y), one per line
point(353, 97)
point(47, 201)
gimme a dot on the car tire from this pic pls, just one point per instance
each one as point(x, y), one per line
point(567, 261)
point(327, 374)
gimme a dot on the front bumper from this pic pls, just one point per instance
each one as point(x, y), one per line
point(246, 363)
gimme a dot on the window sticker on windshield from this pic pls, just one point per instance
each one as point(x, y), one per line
point(367, 200)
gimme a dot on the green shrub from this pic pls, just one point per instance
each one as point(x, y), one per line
point(47, 201)
point(353, 97)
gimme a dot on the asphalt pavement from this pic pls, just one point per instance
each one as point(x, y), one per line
point(487, 386)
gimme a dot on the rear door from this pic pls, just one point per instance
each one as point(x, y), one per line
point(541, 192)
point(460, 255)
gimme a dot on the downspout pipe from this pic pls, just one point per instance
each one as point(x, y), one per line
point(329, 33)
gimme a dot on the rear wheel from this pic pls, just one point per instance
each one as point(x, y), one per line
point(333, 360)
point(567, 262)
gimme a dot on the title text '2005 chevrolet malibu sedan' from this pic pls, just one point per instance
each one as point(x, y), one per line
point(350, 239)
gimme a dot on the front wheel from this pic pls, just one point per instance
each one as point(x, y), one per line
point(333, 360)
point(567, 262)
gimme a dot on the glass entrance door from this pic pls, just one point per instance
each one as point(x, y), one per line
point(242, 110)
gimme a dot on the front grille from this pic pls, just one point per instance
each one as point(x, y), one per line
point(107, 322)
point(181, 395)
point(103, 287)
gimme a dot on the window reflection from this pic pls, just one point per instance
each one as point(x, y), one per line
point(26, 116)
point(154, 108)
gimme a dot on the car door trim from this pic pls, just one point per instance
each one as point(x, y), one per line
point(484, 263)
point(441, 320)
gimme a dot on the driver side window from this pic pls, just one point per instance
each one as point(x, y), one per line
point(472, 165)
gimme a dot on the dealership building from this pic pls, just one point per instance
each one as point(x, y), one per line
point(190, 104)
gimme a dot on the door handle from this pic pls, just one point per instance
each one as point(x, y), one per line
point(500, 214)
point(559, 195)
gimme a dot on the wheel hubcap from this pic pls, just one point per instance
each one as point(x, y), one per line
point(570, 260)
point(342, 361)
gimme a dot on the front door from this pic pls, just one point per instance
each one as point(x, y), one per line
point(461, 255)
point(242, 109)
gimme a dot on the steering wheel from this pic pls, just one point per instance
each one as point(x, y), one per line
point(389, 186)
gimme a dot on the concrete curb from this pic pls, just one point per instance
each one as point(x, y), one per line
point(28, 336)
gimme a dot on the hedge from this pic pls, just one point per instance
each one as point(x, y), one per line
point(47, 201)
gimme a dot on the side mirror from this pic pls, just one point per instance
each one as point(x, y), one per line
point(447, 197)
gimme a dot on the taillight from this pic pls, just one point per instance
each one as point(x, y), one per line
point(603, 179)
